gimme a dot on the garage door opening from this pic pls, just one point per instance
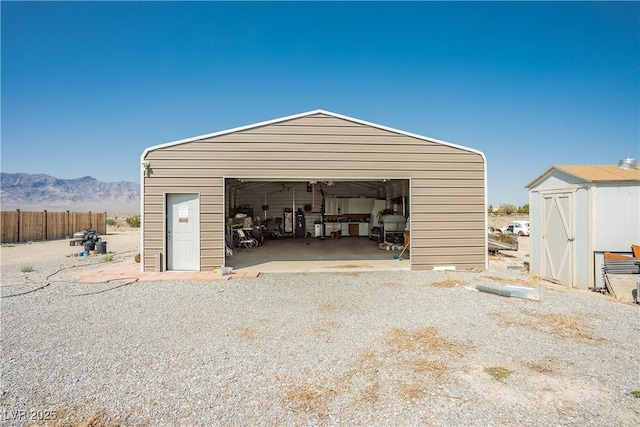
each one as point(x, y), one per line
point(317, 225)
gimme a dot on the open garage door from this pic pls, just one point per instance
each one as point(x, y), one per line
point(316, 224)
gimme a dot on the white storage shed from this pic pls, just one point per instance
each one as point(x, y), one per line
point(578, 213)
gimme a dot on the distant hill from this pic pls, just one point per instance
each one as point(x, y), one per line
point(38, 192)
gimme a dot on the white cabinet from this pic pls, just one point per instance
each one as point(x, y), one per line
point(330, 206)
point(336, 205)
point(360, 205)
point(344, 229)
point(328, 228)
point(343, 205)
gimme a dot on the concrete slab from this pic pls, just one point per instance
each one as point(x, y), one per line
point(326, 266)
point(308, 254)
point(130, 270)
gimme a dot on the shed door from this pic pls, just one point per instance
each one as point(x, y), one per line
point(183, 232)
point(557, 238)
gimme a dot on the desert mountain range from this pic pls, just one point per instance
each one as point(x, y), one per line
point(36, 192)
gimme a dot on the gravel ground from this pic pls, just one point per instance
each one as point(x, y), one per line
point(387, 349)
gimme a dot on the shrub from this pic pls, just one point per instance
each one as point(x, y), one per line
point(111, 222)
point(26, 268)
point(507, 209)
point(107, 258)
point(498, 372)
point(134, 221)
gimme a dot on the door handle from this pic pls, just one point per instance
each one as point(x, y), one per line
point(168, 235)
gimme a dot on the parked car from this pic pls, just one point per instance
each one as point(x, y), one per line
point(521, 228)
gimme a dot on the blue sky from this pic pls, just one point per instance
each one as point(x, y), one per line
point(87, 86)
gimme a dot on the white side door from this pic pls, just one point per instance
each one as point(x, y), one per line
point(557, 238)
point(183, 232)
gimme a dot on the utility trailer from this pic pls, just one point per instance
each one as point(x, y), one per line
point(501, 242)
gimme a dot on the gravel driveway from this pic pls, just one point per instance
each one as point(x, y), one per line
point(382, 349)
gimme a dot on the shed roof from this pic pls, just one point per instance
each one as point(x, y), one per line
point(593, 174)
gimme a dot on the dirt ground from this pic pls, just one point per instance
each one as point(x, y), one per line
point(118, 240)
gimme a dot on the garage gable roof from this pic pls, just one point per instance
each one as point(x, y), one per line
point(592, 174)
point(309, 113)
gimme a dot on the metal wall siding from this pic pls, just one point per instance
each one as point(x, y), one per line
point(447, 228)
point(436, 184)
point(447, 182)
point(306, 144)
point(153, 216)
point(437, 231)
point(159, 184)
point(182, 158)
point(311, 145)
point(449, 199)
point(435, 256)
point(204, 168)
point(215, 216)
point(443, 191)
point(171, 177)
point(460, 261)
point(153, 199)
point(211, 215)
point(443, 209)
point(452, 217)
point(326, 131)
point(448, 242)
point(342, 145)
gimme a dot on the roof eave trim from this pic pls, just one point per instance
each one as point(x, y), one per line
point(550, 171)
point(540, 178)
point(587, 180)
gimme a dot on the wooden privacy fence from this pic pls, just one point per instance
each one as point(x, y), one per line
point(18, 226)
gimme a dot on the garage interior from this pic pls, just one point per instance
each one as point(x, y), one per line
point(317, 224)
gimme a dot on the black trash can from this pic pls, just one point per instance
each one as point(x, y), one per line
point(89, 246)
point(101, 247)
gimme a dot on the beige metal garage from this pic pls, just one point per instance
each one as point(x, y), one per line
point(329, 167)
